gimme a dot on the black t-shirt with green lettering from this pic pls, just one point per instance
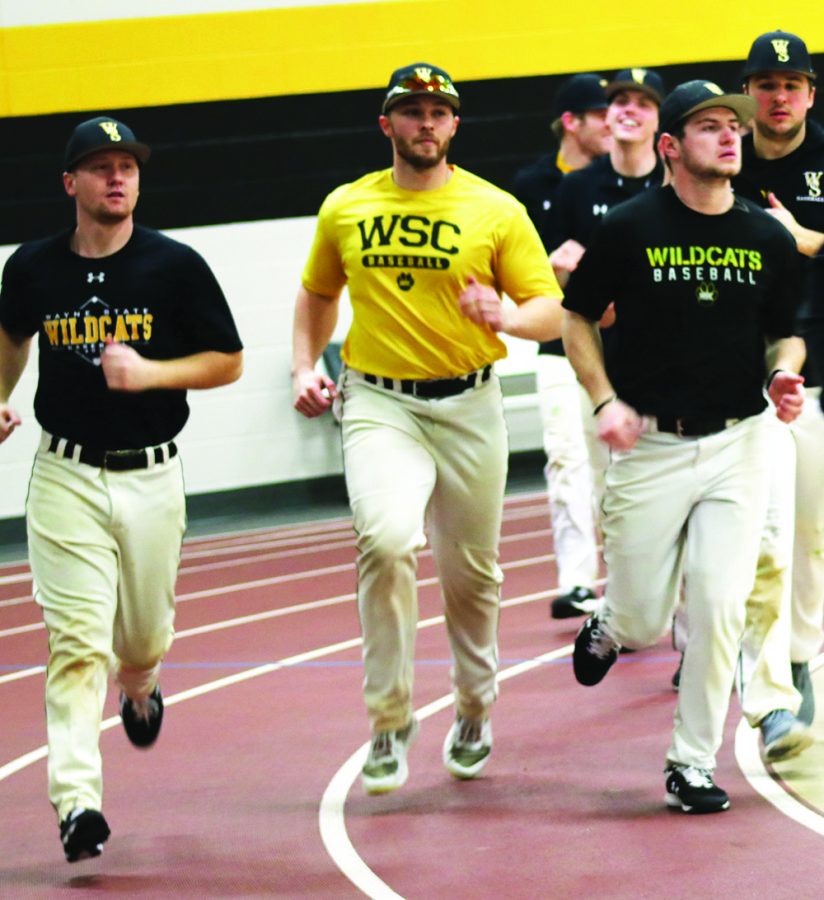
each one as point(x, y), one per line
point(695, 297)
point(155, 295)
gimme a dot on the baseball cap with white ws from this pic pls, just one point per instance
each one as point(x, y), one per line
point(692, 96)
point(778, 51)
point(102, 133)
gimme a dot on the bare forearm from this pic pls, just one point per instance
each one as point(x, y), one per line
point(209, 369)
point(14, 353)
point(582, 344)
point(787, 354)
point(315, 319)
point(537, 319)
point(809, 242)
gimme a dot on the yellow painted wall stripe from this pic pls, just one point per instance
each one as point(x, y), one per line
point(301, 50)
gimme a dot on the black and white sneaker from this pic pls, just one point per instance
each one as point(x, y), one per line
point(594, 653)
point(142, 718)
point(580, 601)
point(693, 790)
point(83, 833)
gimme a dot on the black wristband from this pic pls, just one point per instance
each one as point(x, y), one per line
point(770, 377)
point(604, 403)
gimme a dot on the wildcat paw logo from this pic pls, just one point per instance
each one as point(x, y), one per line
point(707, 293)
point(405, 281)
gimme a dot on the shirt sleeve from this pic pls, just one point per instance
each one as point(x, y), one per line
point(592, 286)
point(16, 316)
point(781, 311)
point(324, 273)
point(212, 326)
point(522, 268)
point(560, 221)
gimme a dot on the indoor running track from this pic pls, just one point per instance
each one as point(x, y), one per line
point(252, 788)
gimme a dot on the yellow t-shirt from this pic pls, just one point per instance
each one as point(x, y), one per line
point(406, 256)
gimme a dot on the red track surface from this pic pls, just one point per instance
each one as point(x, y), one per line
point(227, 803)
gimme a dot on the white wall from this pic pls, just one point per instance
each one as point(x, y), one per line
point(247, 433)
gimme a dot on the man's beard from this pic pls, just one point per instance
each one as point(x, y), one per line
point(420, 163)
point(708, 171)
point(767, 131)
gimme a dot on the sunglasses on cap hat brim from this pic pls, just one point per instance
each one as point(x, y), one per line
point(415, 85)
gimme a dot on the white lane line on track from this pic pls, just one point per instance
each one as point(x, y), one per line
point(283, 579)
point(331, 818)
point(28, 759)
point(752, 767)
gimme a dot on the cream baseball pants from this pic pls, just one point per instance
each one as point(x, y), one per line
point(687, 511)
point(442, 463)
point(573, 488)
point(104, 549)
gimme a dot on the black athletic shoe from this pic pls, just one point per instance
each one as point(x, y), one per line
point(804, 686)
point(142, 721)
point(580, 601)
point(83, 833)
point(594, 653)
point(676, 675)
point(694, 791)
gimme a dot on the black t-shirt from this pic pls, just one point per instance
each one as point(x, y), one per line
point(695, 297)
point(583, 198)
point(535, 186)
point(797, 179)
point(155, 295)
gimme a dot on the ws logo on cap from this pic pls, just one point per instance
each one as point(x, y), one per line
point(781, 48)
point(111, 130)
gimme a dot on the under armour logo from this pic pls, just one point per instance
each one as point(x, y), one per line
point(599, 209)
point(781, 50)
point(813, 180)
point(111, 130)
point(101, 276)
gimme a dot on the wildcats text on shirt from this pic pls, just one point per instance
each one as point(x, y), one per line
point(696, 263)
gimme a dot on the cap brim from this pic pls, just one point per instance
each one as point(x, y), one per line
point(615, 87)
point(453, 101)
point(141, 152)
point(807, 73)
point(742, 105)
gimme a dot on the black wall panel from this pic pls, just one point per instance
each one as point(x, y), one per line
point(277, 157)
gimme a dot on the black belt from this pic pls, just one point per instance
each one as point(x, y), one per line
point(113, 460)
point(693, 427)
point(435, 389)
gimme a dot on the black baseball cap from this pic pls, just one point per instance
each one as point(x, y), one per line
point(692, 96)
point(420, 78)
point(103, 133)
point(646, 80)
point(778, 51)
point(581, 93)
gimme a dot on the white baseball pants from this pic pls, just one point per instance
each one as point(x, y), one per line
point(687, 511)
point(104, 549)
point(443, 462)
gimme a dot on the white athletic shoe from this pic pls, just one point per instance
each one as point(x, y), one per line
point(467, 747)
point(386, 768)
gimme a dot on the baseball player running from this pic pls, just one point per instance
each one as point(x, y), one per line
point(783, 170)
point(700, 280)
point(581, 126)
point(127, 320)
point(426, 250)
